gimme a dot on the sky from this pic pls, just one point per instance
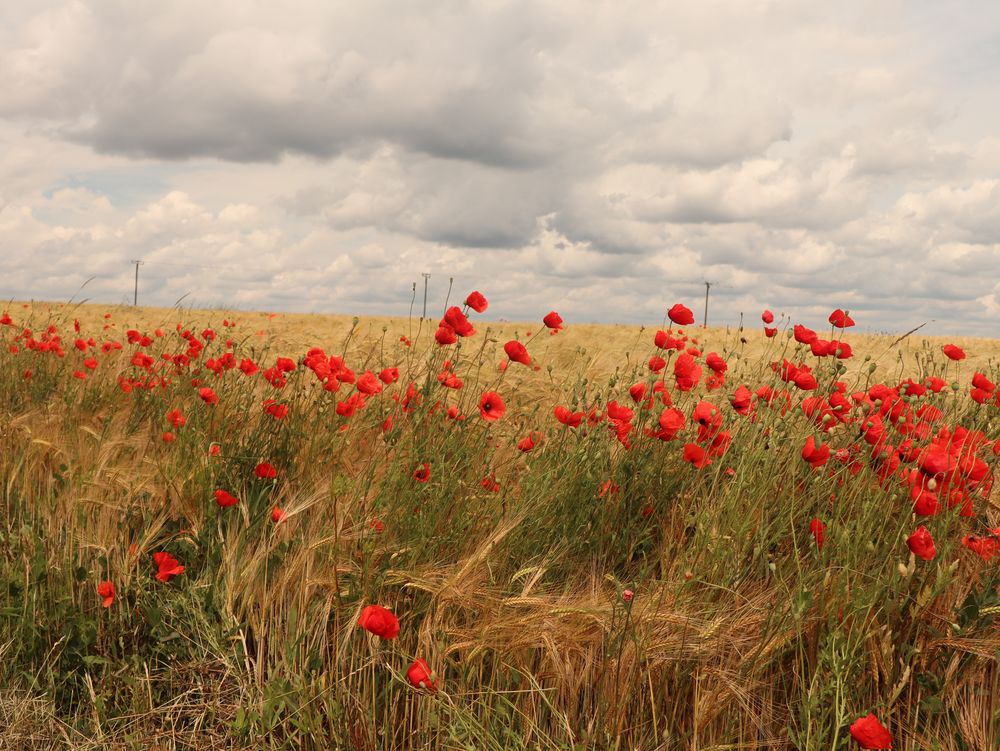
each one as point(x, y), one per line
point(602, 159)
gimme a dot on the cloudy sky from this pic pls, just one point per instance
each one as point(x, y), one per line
point(602, 159)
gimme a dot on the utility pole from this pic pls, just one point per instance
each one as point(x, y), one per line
point(705, 323)
point(426, 276)
point(135, 292)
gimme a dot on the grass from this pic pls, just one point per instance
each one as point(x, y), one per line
point(742, 632)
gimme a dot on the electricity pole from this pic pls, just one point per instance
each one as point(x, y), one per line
point(705, 322)
point(135, 292)
point(426, 276)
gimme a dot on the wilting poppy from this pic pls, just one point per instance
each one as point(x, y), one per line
point(167, 566)
point(379, 621)
point(921, 544)
point(681, 315)
point(491, 406)
point(870, 734)
point(477, 302)
point(420, 676)
point(106, 590)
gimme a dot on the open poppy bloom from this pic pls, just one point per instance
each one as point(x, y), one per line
point(106, 590)
point(167, 566)
point(420, 676)
point(422, 473)
point(379, 621)
point(491, 406)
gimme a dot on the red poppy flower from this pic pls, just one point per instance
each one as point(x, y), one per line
point(491, 406)
point(456, 319)
point(687, 372)
point(368, 384)
point(741, 400)
point(696, 455)
point(953, 352)
point(804, 335)
point(817, 456)
point(265, 471)
point(224, 499)
point(818, 530)
point(167, 566)
point(517, 352)
point(379, 621)
point(553, 321)
point(840, 319)
point(207, 395)
point(767, 316)
point(175, 418)
point(168, 437)
point(681, 315)
point(420, 676)
point(527, 443)
point(637, 391)
point(986, 546)
point(921, 544)
point(716, 363)
point(566, 417)
point(214, 449)
point(657, 363)
point(445, 335)
point(106, 590)
point(870, 734)
point(770, 333)
point(477, 302)
point(389, 375)
point(277, 515)
point(422, 473)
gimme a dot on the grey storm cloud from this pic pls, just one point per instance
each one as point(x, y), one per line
point(605, 157)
